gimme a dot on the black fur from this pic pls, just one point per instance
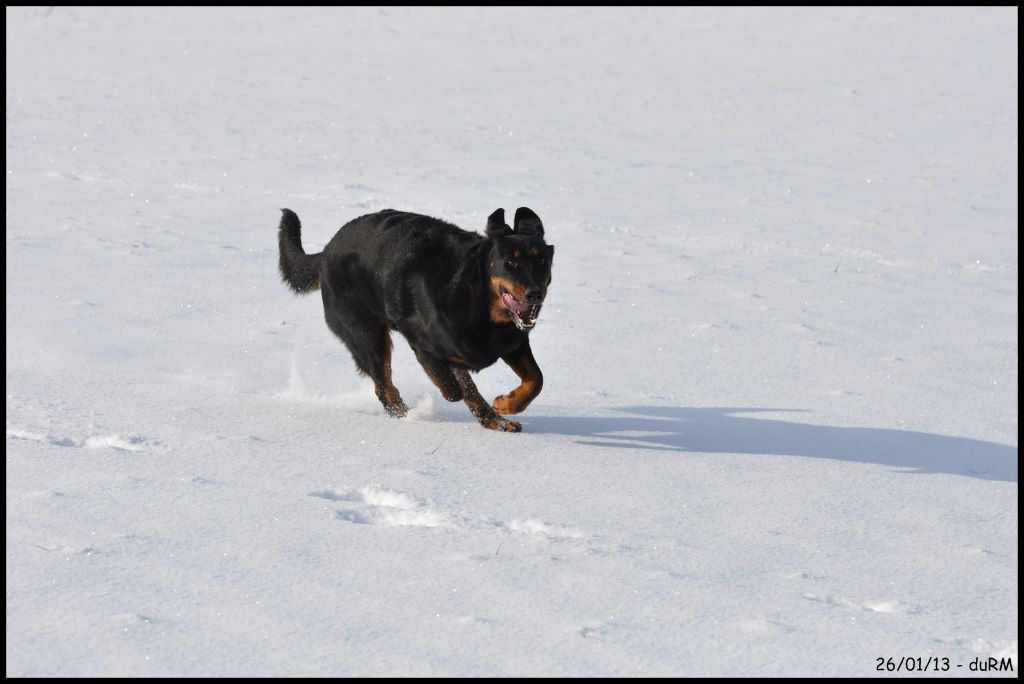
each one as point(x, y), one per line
point(441, 287)
point(299, 271)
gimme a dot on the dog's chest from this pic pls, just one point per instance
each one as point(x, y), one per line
point(484, 349)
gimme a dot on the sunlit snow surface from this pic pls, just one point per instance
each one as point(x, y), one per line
point(779, 428)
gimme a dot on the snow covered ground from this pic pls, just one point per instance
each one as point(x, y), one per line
point(779, 428)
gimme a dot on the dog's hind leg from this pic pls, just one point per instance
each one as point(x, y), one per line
point(386, 391)
point(440, 373)
point(479, 407)
point(370, 345)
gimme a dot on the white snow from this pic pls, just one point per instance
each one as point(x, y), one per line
point(778, 433)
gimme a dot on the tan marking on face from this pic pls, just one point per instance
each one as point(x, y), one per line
point(499, 312)
point(534, 252)
point(516, 254)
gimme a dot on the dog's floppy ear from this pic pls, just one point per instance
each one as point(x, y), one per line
point(528, 223)
point(496, 226)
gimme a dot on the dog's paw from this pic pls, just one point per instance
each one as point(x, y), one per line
point(397, 410)
point(502, 425)
point(511, 426)
point(505, 405)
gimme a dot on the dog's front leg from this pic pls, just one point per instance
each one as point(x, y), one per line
point(479, 406)
point(523, 363)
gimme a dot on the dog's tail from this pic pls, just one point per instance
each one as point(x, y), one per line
point(299, 270)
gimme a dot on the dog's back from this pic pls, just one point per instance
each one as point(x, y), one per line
point(404, 266)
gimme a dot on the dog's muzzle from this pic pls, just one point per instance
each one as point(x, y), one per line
point(523, 315)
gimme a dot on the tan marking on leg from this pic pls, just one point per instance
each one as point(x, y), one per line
point(388, 393)
point(517, 400)
point(524, 365)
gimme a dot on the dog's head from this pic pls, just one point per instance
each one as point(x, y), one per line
point(519, 267)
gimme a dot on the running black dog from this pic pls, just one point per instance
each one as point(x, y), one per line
point(462, 300)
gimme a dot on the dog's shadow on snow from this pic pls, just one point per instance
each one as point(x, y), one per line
point(726, 430)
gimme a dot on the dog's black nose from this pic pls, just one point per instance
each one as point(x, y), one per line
point(534, 296)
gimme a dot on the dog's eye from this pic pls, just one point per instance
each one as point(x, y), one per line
point(511, 265)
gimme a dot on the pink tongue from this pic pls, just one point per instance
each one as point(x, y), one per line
point(511, 303)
